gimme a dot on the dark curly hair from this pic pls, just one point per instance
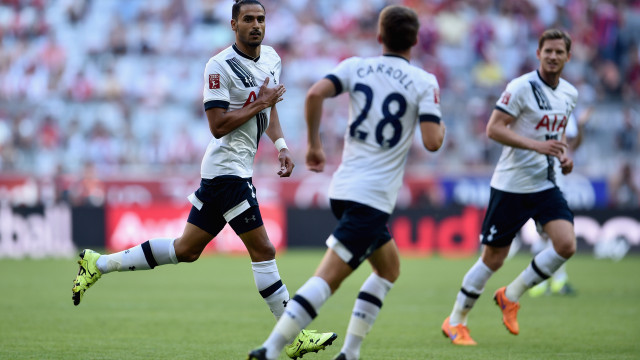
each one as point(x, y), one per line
point(235, 10)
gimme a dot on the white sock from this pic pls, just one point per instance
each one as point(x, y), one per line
point(145, 256)
point(472, 286)
point(541, 267)
point(300, 311)
point(561, 274)
point(270, 286)
point(365, 312)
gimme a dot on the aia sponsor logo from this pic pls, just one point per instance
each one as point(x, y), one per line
point(252, 97)
point(214, 81)
point(552, 123)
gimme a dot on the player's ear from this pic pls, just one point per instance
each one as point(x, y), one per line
point(234, 26)
point(379, 38)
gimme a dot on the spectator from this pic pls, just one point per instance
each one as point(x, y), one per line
point(625, 192)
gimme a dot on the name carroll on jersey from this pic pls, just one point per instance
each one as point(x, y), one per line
point(379, 68)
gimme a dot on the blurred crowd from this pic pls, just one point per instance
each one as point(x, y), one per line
point(116, 85)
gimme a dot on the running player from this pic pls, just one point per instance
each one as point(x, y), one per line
point(529, 120)
point(240, 106)
point(389, 99)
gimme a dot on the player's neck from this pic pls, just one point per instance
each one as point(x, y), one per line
point(551, 79)
point(403, 54)
point(249, 51)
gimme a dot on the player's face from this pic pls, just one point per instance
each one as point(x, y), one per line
point(250, 25)
point(553, 55)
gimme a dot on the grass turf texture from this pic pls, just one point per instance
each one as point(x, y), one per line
point(211, 310)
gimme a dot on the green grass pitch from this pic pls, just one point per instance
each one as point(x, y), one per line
point(211, 310)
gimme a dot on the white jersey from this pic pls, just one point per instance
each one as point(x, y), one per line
point(541, 113)
point(570, 133)
point(232, 80)
point(389, 97)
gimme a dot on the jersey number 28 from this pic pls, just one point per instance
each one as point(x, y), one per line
point(389, 118)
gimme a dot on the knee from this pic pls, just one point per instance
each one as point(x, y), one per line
point(493, 258)
point(185, 253)
point(187, 256)
point(390, 274)
point(566, 248)
point(493, 263)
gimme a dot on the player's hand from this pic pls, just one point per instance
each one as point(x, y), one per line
point(566, 164)
point(315, 159)
point(551, 147)
point(286, 163)
point(270, 96)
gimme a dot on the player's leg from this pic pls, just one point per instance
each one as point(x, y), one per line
point(564, 244)
point(543, 265)
point(265, 270)
point(356, 237)
point(204, 222)
point(385, 263)
point(556, 218)
point(304, 306)
point(155, 252)
point(540, 244)
point(473, 284)
point(148, 255)
point(503, 219)
point(557, 223)
point(267, 278)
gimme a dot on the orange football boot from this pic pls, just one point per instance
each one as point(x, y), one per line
point(509, 310)
point(458, 334)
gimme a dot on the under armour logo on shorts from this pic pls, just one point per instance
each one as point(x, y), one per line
point(252, 218)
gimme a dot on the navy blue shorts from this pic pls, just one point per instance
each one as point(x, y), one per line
point(508, 212)
point(361, 230)
point(225, 199)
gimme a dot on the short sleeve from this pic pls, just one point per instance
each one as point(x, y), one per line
point(429, 101)
point(511, 100)
point(277, 72)
point(572, 127)
point(340, 76)
point(215, 91)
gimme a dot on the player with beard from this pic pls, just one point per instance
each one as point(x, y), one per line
point(241, 90)
point(529, 120)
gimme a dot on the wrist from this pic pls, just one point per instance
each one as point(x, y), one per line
point(280, 144)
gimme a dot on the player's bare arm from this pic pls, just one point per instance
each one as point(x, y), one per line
point(316, 95)
point(498, 130)
point(222, 122)
point(274, 131)
point(432, 134)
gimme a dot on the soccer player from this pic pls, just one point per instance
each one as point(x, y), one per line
point(529, 120)
point(389, 98)
point(240, 106)
point(558, 283)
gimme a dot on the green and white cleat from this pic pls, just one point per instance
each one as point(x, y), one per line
point(88, 274)
point(309, 341)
